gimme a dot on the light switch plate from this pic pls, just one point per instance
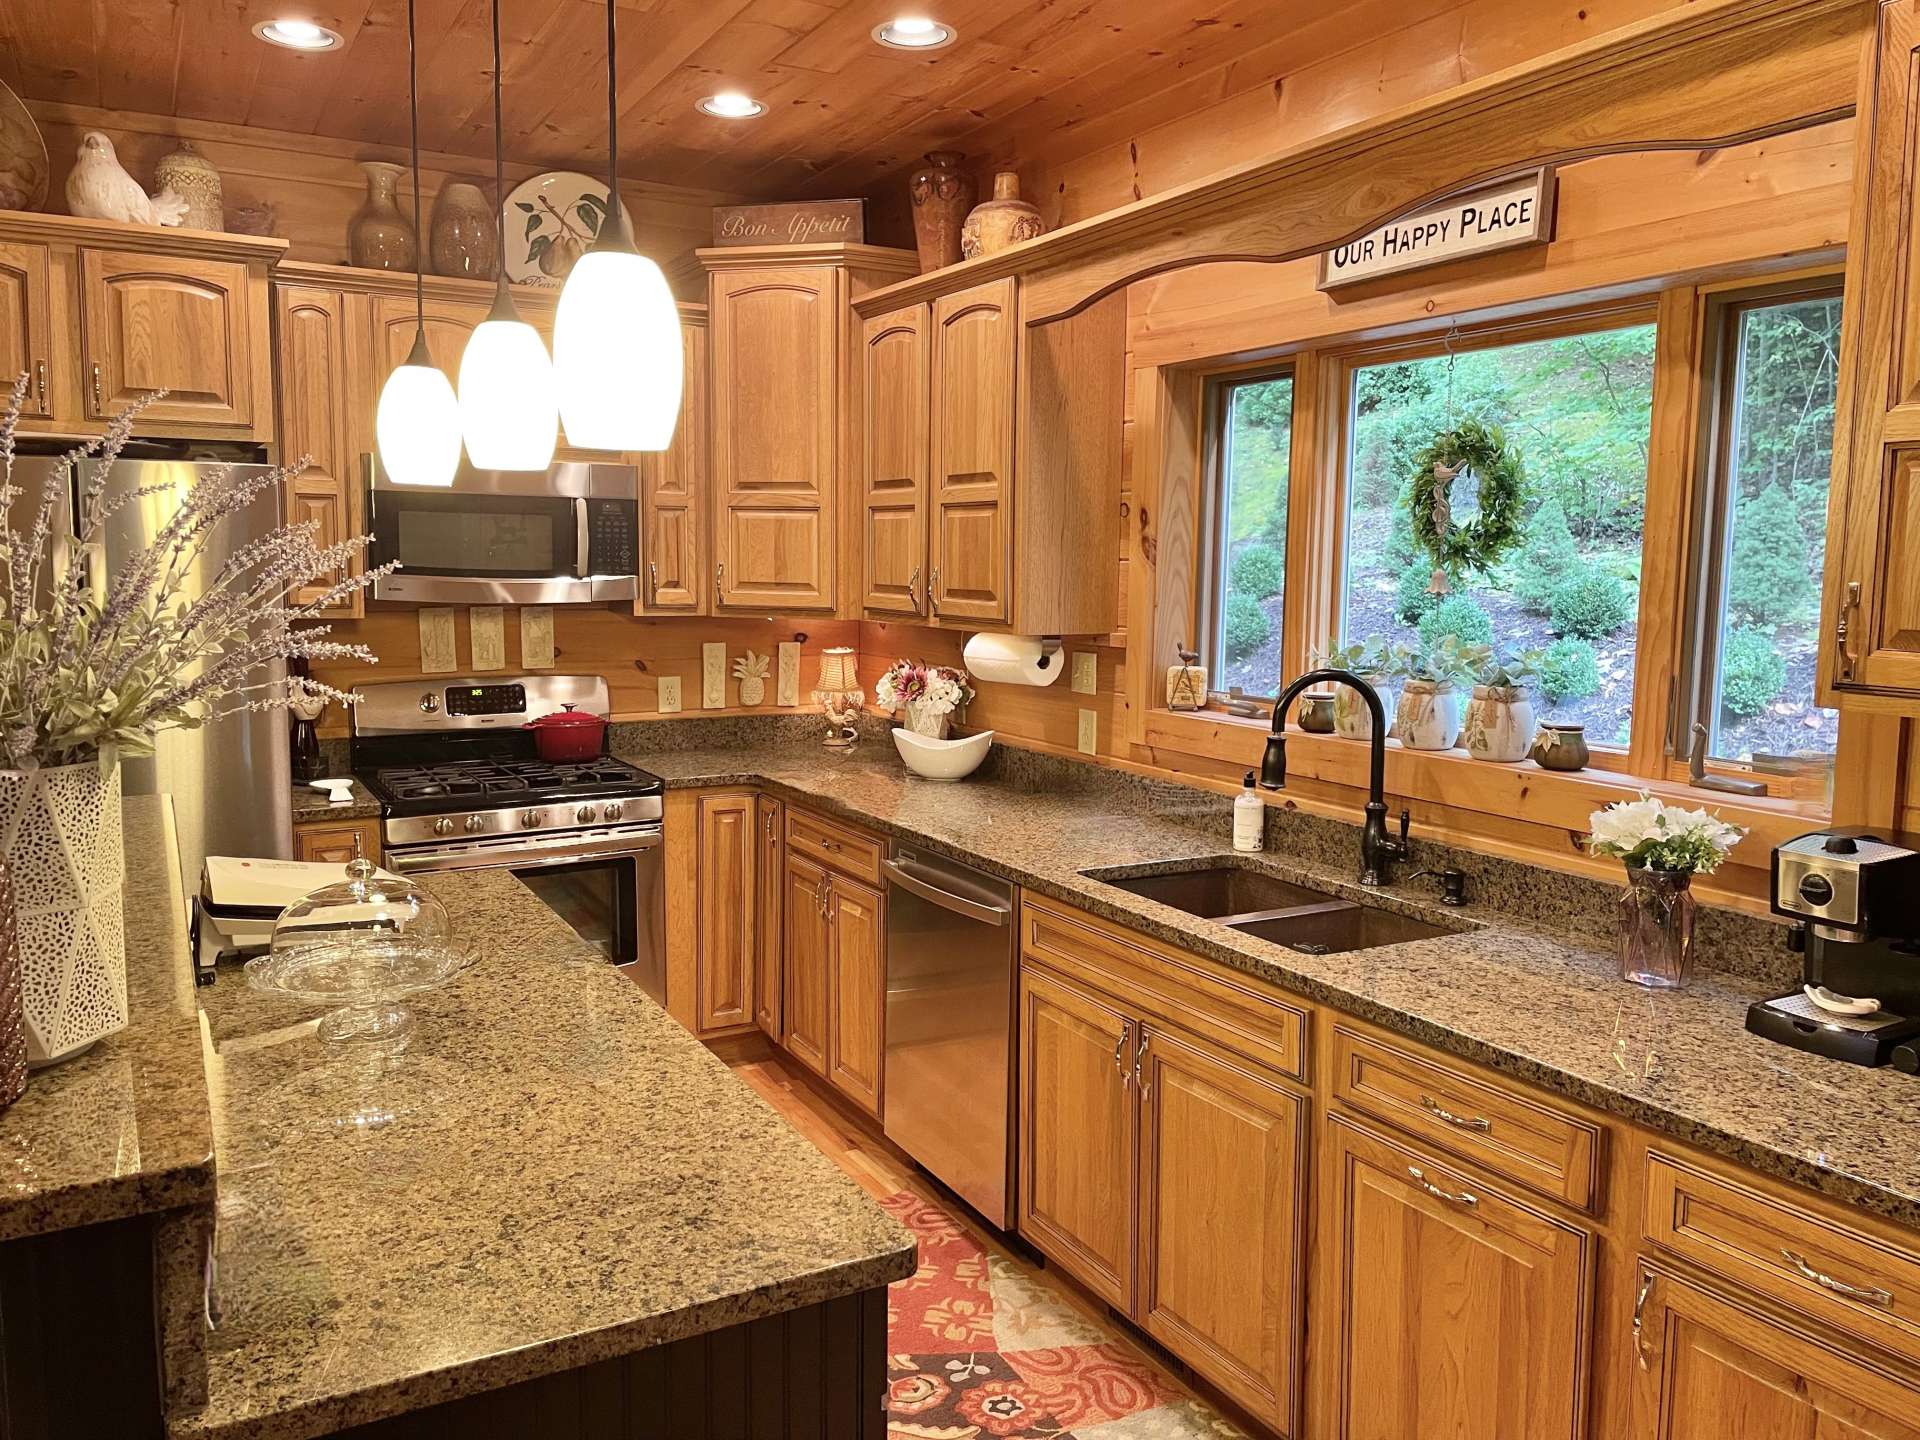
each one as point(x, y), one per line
point(669, 692)
point(1089, 732)
point(487, 624)
point(536, 637)
point(713, 676)
point(1086, 672)
point(787, 687)
point(439, 651)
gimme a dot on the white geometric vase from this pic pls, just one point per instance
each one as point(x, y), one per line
point(60, 832)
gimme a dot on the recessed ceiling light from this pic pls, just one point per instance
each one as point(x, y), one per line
point(297, 34)
point(914, 32)
point(732, 105)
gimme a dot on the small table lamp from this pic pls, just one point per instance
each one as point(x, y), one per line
point(839, 694)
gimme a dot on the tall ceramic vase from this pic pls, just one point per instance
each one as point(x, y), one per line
point(61, 838)
point(942, 192)
point(379, 238)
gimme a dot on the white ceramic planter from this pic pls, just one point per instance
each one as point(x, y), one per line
point(1498, 724)
point(1428, 716)
point(60, 832)
point(1351, 718)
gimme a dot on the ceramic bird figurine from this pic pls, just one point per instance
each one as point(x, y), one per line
point(100, 189)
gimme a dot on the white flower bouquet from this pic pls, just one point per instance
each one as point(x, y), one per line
point(1647, 834)
point(940, 689)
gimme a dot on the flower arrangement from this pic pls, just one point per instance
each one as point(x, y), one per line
point(928, 693)
point(1647, 834)
point(93, 664)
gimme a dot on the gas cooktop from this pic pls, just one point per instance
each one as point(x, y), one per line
point(427, 789)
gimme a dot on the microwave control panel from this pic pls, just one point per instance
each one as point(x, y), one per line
point(613, 537)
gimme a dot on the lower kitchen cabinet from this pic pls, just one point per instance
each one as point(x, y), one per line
point(805, 972)
point(834, 975)
point(856, 945)
point(333, 842)
point(1710, 1366)
point(1453, 1310)
point(729, 903)
point(770, 888)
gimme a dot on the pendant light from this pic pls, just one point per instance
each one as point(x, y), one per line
point(508, 406)
point(417, 425)
point(616, 334)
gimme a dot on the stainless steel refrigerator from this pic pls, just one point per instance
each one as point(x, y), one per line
point(230, 780)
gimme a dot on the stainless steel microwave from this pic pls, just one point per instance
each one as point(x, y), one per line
point(498, 537)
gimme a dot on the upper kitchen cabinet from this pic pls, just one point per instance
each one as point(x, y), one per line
point(673, 492)
point(99, 315)
point(991, 461)
point(315, 413)
point(1872, 598)
point(782, 344)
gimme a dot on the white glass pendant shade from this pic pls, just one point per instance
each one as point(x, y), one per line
point(616, 353)
point(418, 425)
point(509, 409)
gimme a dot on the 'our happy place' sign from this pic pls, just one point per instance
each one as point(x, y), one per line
point(1496, 217)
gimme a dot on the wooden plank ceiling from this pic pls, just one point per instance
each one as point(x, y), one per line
point(843, 112)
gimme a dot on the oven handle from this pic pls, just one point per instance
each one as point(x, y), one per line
point(529, 855)
point(898, 874)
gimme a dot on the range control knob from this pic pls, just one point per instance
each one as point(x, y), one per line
point(443, 826)
point(1816, 889)
point(429, 702)
point(612, 812)
point(475, 824)
point(585, 814)
point(529, 818)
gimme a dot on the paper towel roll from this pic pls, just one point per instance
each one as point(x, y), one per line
point(1013, 660)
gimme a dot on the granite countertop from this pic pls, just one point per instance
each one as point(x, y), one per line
point(552, 1174)
point(123, 1129)
point(1536, 1005)
point(311, 805)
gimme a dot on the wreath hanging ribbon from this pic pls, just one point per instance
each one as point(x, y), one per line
point(1476, 545)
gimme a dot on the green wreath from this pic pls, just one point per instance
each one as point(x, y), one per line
point(1478, 544)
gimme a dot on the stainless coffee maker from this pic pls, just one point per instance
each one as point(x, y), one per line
point(1856, 894)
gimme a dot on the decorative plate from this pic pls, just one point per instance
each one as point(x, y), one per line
point(24, 173)
point(551, 220)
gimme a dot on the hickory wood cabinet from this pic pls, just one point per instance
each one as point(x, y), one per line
point(673, 492)
point(98, 315)
point(729, 910)
point(335, 842)
point(769, 883)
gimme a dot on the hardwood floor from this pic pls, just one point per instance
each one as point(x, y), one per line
point(885, 1173)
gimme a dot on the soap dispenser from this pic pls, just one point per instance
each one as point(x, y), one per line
point(1249, 818)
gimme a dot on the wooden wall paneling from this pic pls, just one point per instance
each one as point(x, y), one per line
point(892, 443)
point(1169, 416)
point(1316, 507)
point(974, 522)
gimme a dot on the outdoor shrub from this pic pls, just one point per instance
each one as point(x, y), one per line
point(1412, 600)
point(1569, 671)
point(1458, 616)
point(1549, 557)
point(1752, 673)
point(1588, 605)
point(1247, 626)
point(1259, 571)
point(1768, 581)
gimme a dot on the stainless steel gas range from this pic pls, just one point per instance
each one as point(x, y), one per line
point(461, 788)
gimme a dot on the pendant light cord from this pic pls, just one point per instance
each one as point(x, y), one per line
point(504, 299)
point(613, 122)
point(413, 114)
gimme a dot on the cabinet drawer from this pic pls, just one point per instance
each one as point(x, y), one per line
point(1511, 1134)
point(835, 846)
point(1819, 1265)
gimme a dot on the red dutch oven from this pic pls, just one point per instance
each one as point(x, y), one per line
point(567, 734)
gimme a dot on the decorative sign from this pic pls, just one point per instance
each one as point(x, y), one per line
point(799, 223)
point(1504, 216)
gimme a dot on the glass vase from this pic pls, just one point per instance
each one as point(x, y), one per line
point(1656, 928)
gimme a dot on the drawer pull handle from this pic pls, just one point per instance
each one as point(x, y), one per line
point(1459, 1122)
point(1871, 1294)
point(1452, 1197)
point(1640, 1319)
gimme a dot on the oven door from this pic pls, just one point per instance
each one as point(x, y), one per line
point(605, 884)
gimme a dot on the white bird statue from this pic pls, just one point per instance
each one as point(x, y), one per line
point(100, 189)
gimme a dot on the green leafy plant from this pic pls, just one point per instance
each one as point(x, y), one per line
point(1360, 657)
point(1259, 571)
point(1444, 662)
point(1590, 604)
point(1550, 555)
point(1768, 578)
point(1569, 670)
point(1247, 626)
point(1483, 541)
point(1412, 598)
point(1460, 617)
point(1509, 669)
point(1752, 673)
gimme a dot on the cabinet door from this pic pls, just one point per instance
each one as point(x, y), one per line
point(729, 901)
point(770, 881)
point(1454, 1311)
point(893, 461)
point(1222, 1154)
point(331, 842)
point(673, 497)
point(1077, 1121)
point(974, 335)
point(1709, 1368)
point(151, 322)
point(449, 325)
point(856, 1033)
point(314, 406)
point(775, 337)
point(26, 324)
point(805, 974)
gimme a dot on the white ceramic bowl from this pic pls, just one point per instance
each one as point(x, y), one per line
point(942, 759)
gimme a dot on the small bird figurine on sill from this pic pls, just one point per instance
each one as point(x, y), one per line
point(100, 189)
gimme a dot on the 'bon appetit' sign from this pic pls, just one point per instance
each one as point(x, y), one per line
point(1496, 217)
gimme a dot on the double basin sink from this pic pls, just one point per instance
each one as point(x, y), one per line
point(1269, 908)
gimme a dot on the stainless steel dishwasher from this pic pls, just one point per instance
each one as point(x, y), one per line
point(950, 1012)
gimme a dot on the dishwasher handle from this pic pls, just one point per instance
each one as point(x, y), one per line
point(986, 914)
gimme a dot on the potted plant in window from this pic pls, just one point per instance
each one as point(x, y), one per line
point(1370, 661)
point(1498, 724)
point(1427, 716)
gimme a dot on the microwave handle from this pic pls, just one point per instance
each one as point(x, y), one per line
point(582, 539)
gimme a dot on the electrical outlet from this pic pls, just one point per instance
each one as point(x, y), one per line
point(1089, 732)
point(669, 691)
point(1086, 672)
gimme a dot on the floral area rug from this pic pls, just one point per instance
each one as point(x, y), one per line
point(982, 1349)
